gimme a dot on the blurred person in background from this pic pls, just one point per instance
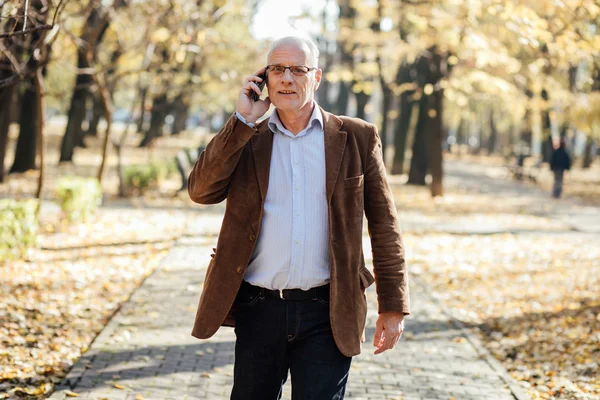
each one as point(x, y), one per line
point(559, 163)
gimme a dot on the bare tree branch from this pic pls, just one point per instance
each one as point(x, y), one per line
point(25, 31)
point(58, 10)
point(26, 16)
point(15, 63)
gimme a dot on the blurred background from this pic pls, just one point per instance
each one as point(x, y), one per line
point(498, 78)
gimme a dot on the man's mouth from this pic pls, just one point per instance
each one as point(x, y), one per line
point(286, 92)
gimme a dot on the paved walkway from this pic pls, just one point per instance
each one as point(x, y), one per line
point(146, 351)
point(485, 179)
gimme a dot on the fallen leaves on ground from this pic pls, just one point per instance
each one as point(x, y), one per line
point(53, 304)
point(531, 289)
point(535, 297)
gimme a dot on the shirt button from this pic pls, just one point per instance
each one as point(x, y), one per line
point(240, 269)
point(252, 237)
point(297, 163)
point(297, 214)
point(297, 187)
point(297, 241)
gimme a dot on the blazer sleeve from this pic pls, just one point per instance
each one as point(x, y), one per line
point(389, 263)
point(209, 180)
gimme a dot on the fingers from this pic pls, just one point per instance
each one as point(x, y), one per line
point(249, 88)
point(389, 340)
point(256, 77)
point(251, 83)
point(253, 78)
point(378, 334)
point(254, 87)
point(260, 71)
point(386, 344)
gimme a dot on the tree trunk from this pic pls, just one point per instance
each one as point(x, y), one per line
point(73, 134)
point(461, 135)
point(39, 105)
point(5, 99)
point(419, 161)
point(362, 99)
point(346, 17)
point(6, 96)
point(157, 119)
point(93, 32)
point(436, 132)
point(493, 138)
point(105, 98)
point(97, 112)
point(341, 106)
point(401, 132)
point(181, 108)
point(547, 147)
point(26, 144)
point(15, 107)
point(325, 86)
point(476, 123)
point(588, 156)
point(29, 119)
point(142, 117)
point(386, 106)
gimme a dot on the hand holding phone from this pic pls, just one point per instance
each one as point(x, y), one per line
point(261, 86)
point(250, 106)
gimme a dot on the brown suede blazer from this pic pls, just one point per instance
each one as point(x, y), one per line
point(235, 166)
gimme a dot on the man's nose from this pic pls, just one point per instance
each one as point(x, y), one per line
point(287, 76)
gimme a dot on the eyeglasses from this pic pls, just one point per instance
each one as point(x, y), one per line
point(297, 70)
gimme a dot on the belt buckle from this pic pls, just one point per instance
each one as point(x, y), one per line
point(280, 294)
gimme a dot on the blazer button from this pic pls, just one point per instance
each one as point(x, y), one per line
point(240, 269)
point(252, 237)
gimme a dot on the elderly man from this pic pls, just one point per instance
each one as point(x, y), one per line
point(288, 270)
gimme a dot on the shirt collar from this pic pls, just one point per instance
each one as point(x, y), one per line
point(316, 118)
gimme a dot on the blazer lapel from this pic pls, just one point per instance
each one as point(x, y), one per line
point(262, 147)
point(335, 143)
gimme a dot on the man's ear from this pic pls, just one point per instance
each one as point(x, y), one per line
point(318, 77)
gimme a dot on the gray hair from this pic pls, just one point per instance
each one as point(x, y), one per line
point(306, 44)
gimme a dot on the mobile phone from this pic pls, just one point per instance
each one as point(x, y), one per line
point(261, 85)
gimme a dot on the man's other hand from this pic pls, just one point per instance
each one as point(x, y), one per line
point(249, 109)
point(388, 329)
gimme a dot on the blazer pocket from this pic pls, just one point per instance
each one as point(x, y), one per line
point(366, 279)
point(355, 181)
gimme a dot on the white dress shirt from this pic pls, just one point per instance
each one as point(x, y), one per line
point(292, 249)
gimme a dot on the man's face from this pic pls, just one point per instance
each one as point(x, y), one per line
point(287, 91)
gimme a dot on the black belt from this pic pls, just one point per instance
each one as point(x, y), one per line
point(286, 294)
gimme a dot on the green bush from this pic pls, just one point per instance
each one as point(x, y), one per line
point(142, 177)
point(79, 197)
point(18, 228)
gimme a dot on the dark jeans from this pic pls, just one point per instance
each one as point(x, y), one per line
point(274, 336)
